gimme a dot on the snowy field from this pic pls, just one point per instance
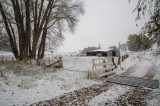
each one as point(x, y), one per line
point(27, 84)
point(37, 83)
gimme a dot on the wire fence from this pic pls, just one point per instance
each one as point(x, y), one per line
point(82, 63)
point(72, 63)
point(77, 63)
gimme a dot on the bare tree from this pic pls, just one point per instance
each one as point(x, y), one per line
point(30, 22)
point(4, 41)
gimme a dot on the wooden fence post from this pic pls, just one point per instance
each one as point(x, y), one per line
point(119, 60)
point(125, 56)
point(12, 59)
point(30, 61)
point(60, 62)
point(122, 58)
point(37, 61)
point(92, 65)
point(104, 61)
point(2, 59)
point(114, 62)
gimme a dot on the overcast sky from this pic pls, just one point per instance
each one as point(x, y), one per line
point(105, 22)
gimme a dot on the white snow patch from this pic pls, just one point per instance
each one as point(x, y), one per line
point(154, 98)
point(132, 60)
point(110, 96)
point(20, 89)
point(142, 69)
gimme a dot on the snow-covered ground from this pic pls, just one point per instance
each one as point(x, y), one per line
point(37, 83)
point(24, 85)
point(110, 96)
point(153, 98)
point(6, 54)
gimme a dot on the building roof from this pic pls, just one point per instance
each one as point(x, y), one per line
point(89, 49)
point(101, 50)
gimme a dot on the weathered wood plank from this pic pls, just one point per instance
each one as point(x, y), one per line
point(133, 81)
point(105, 69)
point(107, 73)
point(103, 64)
point(53, 63)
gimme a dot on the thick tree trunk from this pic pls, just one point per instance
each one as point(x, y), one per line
point(33, 53)
point(28, 30)
point(34, 45)
point(23, 38)
point(14, 50)
point(42, 44)
point(38, 26)
point(12, 43)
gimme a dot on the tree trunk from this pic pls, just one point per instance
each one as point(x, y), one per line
point(12, 43)
point(19, 18)
point(34, 45)
point(42, 44)
point(114, 62)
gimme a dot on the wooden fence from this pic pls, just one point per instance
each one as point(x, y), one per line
point(7, 59)
point(47, 61)
point(102, 67)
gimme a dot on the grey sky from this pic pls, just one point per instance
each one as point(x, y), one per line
point(105, 22)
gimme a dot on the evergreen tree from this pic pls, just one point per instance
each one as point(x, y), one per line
point(138, 42)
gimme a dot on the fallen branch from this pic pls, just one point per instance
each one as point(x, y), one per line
point(53, 63)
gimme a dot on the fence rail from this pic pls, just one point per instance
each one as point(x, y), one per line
point(104, 66)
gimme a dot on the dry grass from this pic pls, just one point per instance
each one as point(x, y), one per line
point(41, 62)
point(92, 75)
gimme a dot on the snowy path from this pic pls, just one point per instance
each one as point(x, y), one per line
point(153, 99)
point(106, 93)
point(136, 96)
point(141, 69)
